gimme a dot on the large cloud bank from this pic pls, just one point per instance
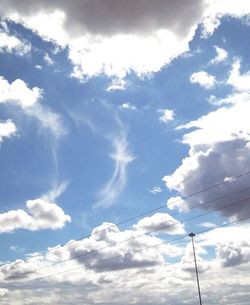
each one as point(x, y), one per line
point(117, 37)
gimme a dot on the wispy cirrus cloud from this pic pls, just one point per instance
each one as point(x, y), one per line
point(122, 158)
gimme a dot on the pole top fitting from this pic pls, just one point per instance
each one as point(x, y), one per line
point(191, 234)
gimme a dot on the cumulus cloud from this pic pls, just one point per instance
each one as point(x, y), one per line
point(140, 270)
point(7, 129)
point(217, 151)
point(220, 57)
point(106, 249)
point(203, 79)
point(232, 244)
point(40, 215)
point(166, 115)
point(160, 222)
point(122, 158)
point(12, 44)
point(18, 92)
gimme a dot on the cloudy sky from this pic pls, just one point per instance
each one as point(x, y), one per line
point(124, 126)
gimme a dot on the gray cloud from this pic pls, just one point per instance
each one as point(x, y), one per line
point(233, 253)
point(108, 17)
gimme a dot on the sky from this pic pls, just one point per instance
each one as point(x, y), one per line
point(124, 126)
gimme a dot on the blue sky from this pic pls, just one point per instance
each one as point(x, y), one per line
point(104, 118)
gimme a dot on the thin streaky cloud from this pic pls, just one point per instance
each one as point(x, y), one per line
point(122, 158)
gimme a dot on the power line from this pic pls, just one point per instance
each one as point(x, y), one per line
point(156, 209)
point(243, 201)
point(142, 249)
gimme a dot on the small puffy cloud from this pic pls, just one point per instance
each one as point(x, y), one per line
point(7, 129)
point(18, 92)
point(128, 106)
point(40, 215)
point(155, 190)
point(117, 84)
point(177, 203)
point(203, 79)
point(166, 115)
point(12, 44)
point(240, 82)
point(160, 222)
point(46, 215)
point(221, 55)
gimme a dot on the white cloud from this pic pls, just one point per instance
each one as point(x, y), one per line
point(117, 84)
point(116, 184)
point(203, 79)
point(48, 119)
point(3, 292)
point(207, 225)
point(56, 191)
point(220, 57)
point(240, 82)
point(156, 189)
point(40, 215)
point(7, 129)
point(167, 115)
point(177, 203)
point(219, 8)
point(19, 93)
point(12, 44)
point(161, 223)
point(128, 106)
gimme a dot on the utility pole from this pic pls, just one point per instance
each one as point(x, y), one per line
point(196, 269)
